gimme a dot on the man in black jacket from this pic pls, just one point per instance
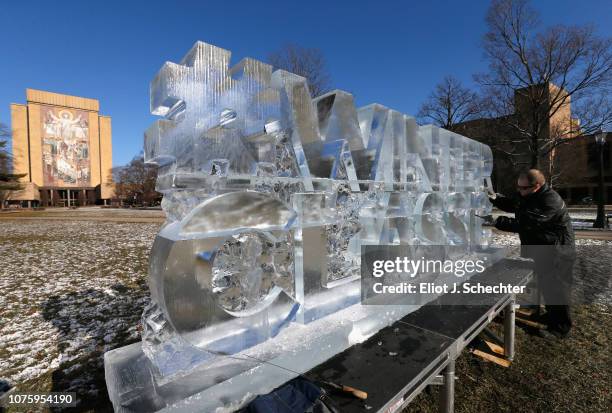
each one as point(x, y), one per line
point(545, 229)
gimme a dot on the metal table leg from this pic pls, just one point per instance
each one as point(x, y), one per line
point(509, 319)
point(447, 393)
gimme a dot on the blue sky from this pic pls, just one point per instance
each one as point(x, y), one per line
point(390, 52)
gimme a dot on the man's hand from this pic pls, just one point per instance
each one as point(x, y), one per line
point(487, 220)
point(504, 223)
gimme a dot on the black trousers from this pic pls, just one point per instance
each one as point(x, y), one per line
point(554, 273)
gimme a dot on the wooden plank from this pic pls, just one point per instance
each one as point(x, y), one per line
point(526, 312)
point(492, 358)
point(488, 334)
point(495, 347)
point(530, 323)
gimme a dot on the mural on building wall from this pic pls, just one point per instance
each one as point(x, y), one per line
point(65, 147)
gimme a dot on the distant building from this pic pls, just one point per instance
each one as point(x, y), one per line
point(572, 166)
point(579, 180)
point(63, 146)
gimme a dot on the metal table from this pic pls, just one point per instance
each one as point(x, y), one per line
point(398, 362)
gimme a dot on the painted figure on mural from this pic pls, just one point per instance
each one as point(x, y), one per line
point(66, 126)
point(65, 148)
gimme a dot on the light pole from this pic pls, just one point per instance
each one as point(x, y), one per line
point(600, 138)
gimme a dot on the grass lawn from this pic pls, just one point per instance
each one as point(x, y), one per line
point(73, 285)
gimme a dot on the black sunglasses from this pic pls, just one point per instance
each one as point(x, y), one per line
point(521, 187)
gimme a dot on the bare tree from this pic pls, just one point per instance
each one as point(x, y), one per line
point(306, 62)
point(536, 74)
point(135, 183)
point(451, 103)
point(8, 181)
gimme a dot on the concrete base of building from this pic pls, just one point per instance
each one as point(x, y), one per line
point(33, 196)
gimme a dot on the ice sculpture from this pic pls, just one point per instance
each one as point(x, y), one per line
point(269, 196)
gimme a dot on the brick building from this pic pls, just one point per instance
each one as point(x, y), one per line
point(580, 177)
point(572, 167)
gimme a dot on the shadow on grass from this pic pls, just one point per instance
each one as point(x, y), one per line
point(91, 322)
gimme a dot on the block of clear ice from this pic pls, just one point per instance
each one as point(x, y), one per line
point(269, 197)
